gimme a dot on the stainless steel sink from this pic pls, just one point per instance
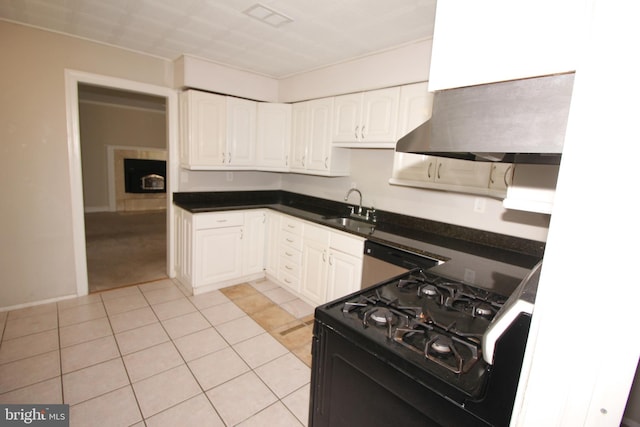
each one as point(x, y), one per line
point(351, 223)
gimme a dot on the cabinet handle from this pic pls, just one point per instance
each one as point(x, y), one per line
point(356, 132)
point(493, 171)
point(241, 234)
point(287, 280)
point(288, 254)
point(303, 158)
point(288, 268)
point(286, 160)
point(330, 260)
point(324, 256)
point(439, 167)
point(229, 157)
point(362, 133)
point(326, 162)
point(508, 174)
point(289, 240)
point(224, 157)
point(221, 220)
point(429, 170)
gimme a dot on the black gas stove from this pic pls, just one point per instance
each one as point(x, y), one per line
point(458, 347)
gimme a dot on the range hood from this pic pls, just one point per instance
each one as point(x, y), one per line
point(518, 121)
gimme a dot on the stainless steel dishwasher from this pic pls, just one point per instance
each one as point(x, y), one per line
point(382, 262)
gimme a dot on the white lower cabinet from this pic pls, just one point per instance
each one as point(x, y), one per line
point(217, 255)
point(218, 249)
point(331, 264)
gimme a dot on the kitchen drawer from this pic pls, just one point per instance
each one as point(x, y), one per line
point(347, 243)
point(291, 225)
point(289, 280)
point(290, 267)
point(291, 254)
point(292, 240)
point(208, 220)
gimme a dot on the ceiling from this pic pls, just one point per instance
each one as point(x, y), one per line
point(320, 33)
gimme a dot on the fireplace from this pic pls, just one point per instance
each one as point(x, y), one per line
point(145, 176)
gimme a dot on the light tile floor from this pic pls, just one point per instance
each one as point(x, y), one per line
point(149, 355)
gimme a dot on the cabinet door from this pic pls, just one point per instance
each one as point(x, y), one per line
point(272, 243)
point(299, 136)
point(462, 172)
point(344, 276)
point(414, 167)
point(380, 115)
point(253, 259)
point(346, 118)
point(218, 253)
point(416, 104)
point(241, 132)
point(314, 271)
point(501, 176)
point(319, 134)
point(204, 121)
point(274, 136)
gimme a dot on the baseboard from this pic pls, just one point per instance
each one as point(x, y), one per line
point(34, 303)
point(93, 209)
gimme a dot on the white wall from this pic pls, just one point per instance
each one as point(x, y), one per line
point(37, 252)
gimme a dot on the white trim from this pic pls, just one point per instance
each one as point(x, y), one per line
point(35, 303)
point(92, 209)
point(111, 179)
point(72, 79)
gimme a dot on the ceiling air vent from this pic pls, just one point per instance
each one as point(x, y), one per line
point(267, 15)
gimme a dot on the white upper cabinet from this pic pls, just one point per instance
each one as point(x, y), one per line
point(217, 131)
point(366, 119)
point(478, 42)
point(311, 150)
point(203, 127)
point(241, 132)
point(273, 136)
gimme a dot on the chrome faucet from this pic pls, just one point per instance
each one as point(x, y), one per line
point(360, 194)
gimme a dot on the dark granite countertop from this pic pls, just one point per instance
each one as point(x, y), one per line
point(490, 260)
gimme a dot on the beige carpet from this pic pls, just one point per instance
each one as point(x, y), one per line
point(125, 248)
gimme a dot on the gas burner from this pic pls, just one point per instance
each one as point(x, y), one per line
point(441, 344)
point(429, 290)
point(484, 310)
point(381, 315)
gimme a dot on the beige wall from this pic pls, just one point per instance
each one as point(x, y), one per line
point(102, 125)
point(36, 259)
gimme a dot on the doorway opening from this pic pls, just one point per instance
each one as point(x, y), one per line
point(145, 218)
point(122, 134)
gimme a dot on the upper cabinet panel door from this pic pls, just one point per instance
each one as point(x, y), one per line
point(380, 115)
point(496, 40)
point(204, 129)
point(241, 131)
point(346, 117)
point(274, 136)
point(319, 122)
